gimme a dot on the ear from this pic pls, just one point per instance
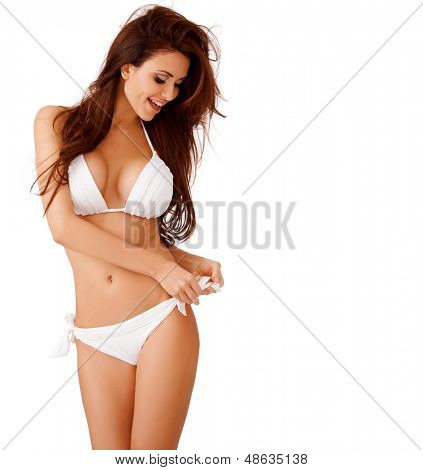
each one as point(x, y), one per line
point(124, 71)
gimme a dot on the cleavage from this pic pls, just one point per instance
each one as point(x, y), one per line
point(115, 177)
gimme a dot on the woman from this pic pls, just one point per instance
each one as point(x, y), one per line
point(122, 161)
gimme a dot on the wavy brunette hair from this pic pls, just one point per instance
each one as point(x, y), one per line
point(156, 29)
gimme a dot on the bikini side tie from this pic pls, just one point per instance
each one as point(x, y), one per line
point(62, 346)
point(67, 337)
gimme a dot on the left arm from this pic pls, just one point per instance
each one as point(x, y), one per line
point(198, 265)
point(185, 259)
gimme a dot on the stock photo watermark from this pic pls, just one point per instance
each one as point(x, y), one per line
point(237, 225)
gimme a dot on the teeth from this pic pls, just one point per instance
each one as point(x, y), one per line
point(156, 103)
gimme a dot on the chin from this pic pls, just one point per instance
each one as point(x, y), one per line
point(147, 117)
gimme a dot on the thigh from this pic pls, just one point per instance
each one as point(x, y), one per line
point(164, 381)
point(107, 389)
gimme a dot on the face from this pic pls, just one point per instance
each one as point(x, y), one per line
point(158, 79)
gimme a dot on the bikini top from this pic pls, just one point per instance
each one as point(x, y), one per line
point(149, 197)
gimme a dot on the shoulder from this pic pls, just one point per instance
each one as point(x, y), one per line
point(47, 112)
point(45, 119)
point(48, 133)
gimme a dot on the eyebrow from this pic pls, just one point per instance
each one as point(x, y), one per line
point(165, 71)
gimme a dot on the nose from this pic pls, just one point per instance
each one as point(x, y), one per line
point(169, 92)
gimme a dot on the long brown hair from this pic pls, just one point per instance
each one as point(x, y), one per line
point(156, 29)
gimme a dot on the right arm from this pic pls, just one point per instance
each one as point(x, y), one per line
point(76, 234)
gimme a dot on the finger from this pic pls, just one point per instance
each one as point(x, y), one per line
point(207, 291)
point(195, 286)
point(192, 295)
point(218, 279)
point(183, 298)
point(215, 275)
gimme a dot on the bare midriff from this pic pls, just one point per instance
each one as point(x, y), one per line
point(107, 293)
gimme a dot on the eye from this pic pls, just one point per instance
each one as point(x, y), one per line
point(159, 80)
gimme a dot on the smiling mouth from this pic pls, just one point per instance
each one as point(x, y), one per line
point(154, 106)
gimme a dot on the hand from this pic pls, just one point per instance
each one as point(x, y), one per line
point(211, 268)
point(178, 282)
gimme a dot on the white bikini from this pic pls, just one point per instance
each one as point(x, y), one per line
point(149, 197)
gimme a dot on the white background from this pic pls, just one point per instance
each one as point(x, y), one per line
point(311, 350)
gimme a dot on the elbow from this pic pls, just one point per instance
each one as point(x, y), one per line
point(58, 233)
point(62, 230)
point(57, 236)
point(64, 227)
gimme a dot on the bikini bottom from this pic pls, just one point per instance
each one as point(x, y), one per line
point(123, 340)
